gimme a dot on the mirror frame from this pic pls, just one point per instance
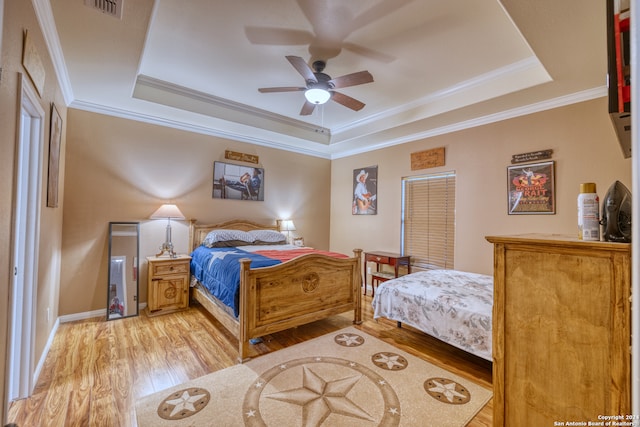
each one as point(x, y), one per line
point(135, 265)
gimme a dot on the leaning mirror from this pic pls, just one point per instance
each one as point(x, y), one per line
point(122, 286)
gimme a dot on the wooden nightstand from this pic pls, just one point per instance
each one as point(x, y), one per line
point(167, 284)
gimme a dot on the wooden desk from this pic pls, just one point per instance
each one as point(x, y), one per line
point(384, 258)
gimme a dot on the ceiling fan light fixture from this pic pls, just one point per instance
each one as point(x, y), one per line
point(317, 95)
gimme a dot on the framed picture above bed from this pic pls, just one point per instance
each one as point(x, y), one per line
point(365, 191)
point(531, 188)
point(231, 181)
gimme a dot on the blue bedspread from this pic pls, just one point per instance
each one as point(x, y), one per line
point(218, 270)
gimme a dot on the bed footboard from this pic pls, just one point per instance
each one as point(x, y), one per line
point(305, 289)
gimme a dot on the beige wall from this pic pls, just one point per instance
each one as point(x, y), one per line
point(19, 16)
point(122, 170)
point(584, 147)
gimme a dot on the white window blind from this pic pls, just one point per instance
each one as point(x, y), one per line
point(428, 219)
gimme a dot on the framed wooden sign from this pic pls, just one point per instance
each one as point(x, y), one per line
point(427, 159)
point(241, 157)
point(533, 156)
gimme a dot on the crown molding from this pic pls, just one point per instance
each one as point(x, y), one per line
point(173, 95)
point(464, 88)
point(549, 104)
point(249, 137)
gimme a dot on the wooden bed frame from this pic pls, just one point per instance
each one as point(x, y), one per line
point(303, 290)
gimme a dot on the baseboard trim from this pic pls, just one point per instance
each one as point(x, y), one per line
point(90, 314)
point(45, 352)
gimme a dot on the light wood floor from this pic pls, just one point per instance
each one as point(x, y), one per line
point(96, 370)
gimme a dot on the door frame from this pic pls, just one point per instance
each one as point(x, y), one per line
point(25, 243)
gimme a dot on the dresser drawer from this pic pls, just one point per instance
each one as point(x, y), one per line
point(378, 259)
point(164, 268)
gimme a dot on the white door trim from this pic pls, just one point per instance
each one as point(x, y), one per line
point(26, 232)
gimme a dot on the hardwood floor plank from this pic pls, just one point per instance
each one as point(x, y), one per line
point(103, 413)
point(96, 370)
point(140, 375)
point(56, 404)
point(79, 408)
point(27, 412)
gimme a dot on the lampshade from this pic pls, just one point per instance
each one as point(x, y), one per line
point(317, 96)
point(287, 225)
point(167, 211)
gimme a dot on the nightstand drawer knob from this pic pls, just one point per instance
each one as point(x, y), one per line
point(171, 268)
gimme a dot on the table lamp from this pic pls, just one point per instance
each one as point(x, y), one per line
point(288, 226)
point(168, 211)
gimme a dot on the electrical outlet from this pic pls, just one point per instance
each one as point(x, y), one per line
point(369, 270)
point(48, 315)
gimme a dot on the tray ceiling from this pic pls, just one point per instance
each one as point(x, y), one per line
point(437, 65)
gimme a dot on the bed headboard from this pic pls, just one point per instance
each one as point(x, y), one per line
point(197, 232)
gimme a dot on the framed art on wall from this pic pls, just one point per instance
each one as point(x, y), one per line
point(231, 181)
point(33, 63)
point(55, 138)
point(365, 189)
point(531, 188)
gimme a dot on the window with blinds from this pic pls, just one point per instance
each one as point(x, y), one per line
point(428, 219)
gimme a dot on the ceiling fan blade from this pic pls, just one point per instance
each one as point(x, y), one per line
point(347, 101)
point(301, 66)
point(277, 36)
point(281, 89)
point(307, 108)
point(353, 79)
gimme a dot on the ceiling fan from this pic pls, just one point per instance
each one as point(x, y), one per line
point(320, 86)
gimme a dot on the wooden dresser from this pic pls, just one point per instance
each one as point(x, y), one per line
point(561, 330)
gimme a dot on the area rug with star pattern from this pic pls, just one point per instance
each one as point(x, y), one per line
point(345, 378)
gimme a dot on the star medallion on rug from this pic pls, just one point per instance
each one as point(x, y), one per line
point(345, 378)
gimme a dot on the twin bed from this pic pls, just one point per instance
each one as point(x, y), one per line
point(292, 286)
point(255, 284)
point(453, 306)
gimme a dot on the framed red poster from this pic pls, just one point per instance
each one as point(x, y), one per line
point(531, 188)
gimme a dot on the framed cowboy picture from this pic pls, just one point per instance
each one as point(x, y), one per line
point(365, 189)
point(231, 181)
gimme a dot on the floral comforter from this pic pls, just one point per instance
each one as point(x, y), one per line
point(453, 306)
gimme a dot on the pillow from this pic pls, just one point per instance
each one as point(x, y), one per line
point(268, 236)
point(231, 244)
point(263, 243)
point(222, 235)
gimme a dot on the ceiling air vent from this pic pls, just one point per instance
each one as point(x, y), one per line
point(109, 7)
